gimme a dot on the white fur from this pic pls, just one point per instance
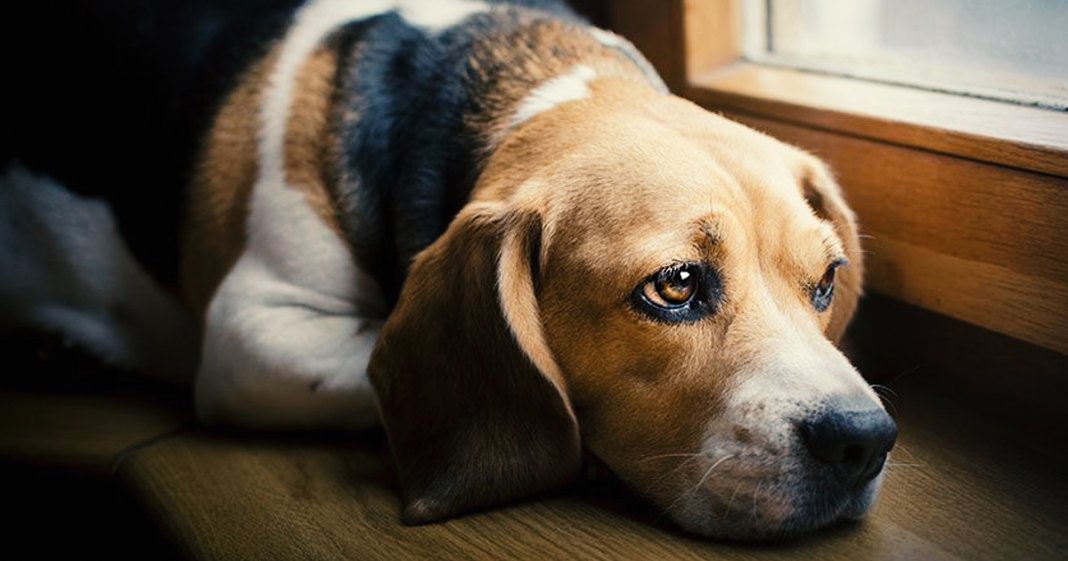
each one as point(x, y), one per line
point(437, 15)
point(66, 269)
point(289, 332)
point(572, 86)
point(613, 41)
point(607, 38)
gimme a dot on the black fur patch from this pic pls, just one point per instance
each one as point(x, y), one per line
point(409, 151)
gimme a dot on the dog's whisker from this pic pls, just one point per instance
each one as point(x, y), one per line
point(682, 465)
point(730, 501)
point(696, 487)
point(883, 388)
point(666, 456)
point(756, 494)
point(709, 472)
point(885, 398)
point(912, 457)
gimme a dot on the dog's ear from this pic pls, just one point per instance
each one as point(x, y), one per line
point(824, 195)
point(476, 409)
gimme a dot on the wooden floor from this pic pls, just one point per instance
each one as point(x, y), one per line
point(971, 478)
point(959, 487)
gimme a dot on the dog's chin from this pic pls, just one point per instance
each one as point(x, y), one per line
point(773, 510)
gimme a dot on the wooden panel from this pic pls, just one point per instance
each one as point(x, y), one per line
point(999, 376)
point(1012, 135)
point(713, 34)
point(656, 29)
point(978, 242)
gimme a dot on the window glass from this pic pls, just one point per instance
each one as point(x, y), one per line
point(1013, 50)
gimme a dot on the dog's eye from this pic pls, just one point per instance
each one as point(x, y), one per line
point(678, 294)
point(823, 291)
point(672, 288)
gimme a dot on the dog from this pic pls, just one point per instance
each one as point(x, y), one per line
point(486, 226)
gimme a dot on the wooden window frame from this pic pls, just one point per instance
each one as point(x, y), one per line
point(964, 201)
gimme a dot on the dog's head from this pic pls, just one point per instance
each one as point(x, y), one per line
point(654, 283)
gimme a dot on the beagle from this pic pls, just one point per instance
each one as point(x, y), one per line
point(490, 228)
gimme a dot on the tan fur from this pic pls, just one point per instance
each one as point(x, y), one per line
point(309, 162)
point(228, 169)
point(219, 193)
point(619, 187)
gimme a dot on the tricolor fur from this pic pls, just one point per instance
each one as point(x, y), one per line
point(373, 122)
point(449, 217)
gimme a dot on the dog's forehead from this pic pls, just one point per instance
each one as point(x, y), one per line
point(666, 178)
point(668, 152)
point(626, 137)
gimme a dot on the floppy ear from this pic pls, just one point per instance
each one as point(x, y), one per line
point(825, 197)
point(475, 407)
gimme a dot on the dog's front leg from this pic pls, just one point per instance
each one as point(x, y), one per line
point(277, 355)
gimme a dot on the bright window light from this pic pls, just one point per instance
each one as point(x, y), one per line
point(1007, 50)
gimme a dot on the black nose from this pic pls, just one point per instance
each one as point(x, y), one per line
point(854, 443)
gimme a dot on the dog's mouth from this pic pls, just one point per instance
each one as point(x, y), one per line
point(761, 497)
point(762, 476)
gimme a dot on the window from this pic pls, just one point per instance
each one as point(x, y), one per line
point(1016, 51)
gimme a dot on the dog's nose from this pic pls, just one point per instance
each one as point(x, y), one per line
point(854, 443)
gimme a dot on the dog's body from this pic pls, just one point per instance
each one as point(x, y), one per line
point(461, 168)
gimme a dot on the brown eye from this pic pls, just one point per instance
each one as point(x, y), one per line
point(673, 287)
point(823, 291)
point(679, 294)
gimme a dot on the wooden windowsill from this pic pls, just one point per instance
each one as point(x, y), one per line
point(1023, 137)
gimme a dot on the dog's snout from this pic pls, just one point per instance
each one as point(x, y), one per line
point(854, 443)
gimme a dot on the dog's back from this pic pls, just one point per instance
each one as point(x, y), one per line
point(106, 126)
point(113, 98)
